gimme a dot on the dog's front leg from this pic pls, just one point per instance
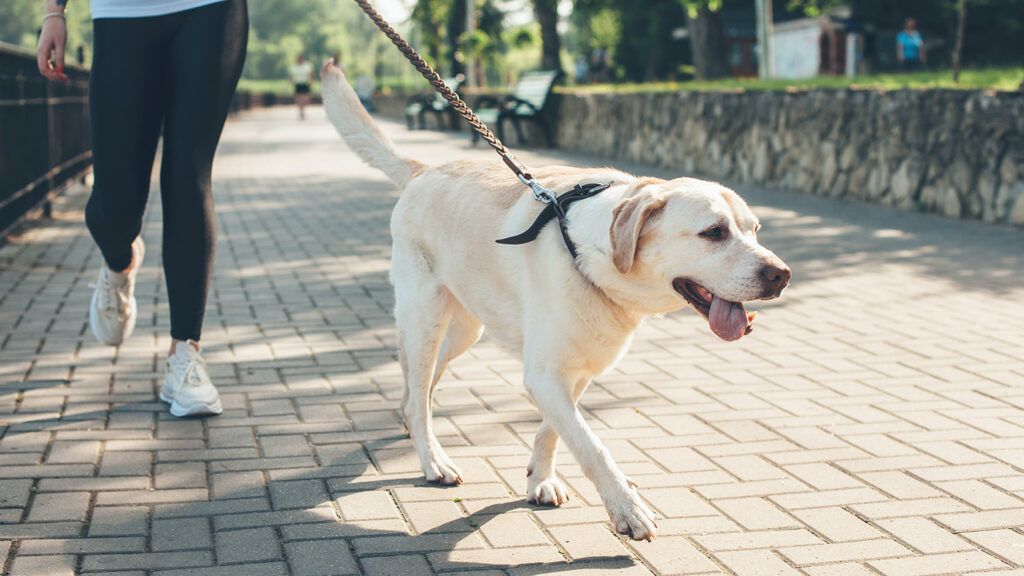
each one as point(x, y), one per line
point(553, 395)
point(542, 485)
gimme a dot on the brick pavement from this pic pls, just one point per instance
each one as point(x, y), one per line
point(872, 424)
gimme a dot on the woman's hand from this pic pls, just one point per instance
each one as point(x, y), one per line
point(50, 52)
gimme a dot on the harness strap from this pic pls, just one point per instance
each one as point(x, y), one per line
point(557, 209)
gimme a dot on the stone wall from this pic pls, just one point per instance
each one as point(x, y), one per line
point(957, 153)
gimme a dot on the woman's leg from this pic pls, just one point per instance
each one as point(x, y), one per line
point(126, 94)
point(204, 63)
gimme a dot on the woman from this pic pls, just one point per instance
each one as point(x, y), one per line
point(910, 47)
point(302, 77)
point(170, 64)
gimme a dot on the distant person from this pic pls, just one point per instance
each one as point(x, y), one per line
point(365, 91)
point(158, 67)
point(581, 70)
point(302, 78)
point(598, 66)
point(910, 47)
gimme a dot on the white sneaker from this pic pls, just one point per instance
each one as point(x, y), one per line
point(113, 310)
point(186, 384)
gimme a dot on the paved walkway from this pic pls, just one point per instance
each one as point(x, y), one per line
point(872, 424)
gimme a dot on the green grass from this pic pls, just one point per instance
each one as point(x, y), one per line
point(981, 79)
point(978, 79)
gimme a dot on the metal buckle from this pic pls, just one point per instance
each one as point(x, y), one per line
point(540, 193)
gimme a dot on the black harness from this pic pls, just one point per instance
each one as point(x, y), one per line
point(557, 209)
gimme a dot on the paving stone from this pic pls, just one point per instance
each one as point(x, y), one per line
point(298, 494)
point(367, 506)
point(43, 566)
point(321, 558)
point(59, 506)
point(180, 534)
point(924, 535)
point(261, 569)
point(502, 558)
point(673, 555)
point(585, 541)
point(851, 434)
point(972, 560)
point(249, 545)
point(843, 552)
point(144, 561)
point(81, 545)
point(14, 493)
point(1007, 544)
point(391, 565)
point(756, 563)
point(118, 521)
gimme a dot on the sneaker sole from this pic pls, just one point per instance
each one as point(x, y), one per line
point(201, 409)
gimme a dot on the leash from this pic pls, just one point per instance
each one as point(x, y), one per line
point(557, 207)
point(541, 193)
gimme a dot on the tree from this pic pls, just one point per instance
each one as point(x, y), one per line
point(647, 50)
point(707, 38)
point(456, 28)
point(958, 47)
point(551, 46)
point(430, 18)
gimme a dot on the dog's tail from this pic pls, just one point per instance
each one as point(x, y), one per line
point(358, 129)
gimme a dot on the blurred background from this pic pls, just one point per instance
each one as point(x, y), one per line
point(615, 42)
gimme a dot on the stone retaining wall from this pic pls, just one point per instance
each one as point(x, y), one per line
point(957, 153)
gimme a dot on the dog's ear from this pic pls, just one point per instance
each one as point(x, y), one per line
point(628, 220)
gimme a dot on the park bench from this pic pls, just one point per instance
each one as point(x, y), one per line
point(526, 102)
point(417, 107)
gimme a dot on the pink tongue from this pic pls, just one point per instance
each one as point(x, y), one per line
point(728, 320)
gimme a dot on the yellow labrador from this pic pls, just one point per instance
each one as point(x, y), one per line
point(645, 247)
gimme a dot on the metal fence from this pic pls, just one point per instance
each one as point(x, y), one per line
point(44, 134)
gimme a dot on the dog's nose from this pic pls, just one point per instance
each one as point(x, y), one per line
point(774, 279)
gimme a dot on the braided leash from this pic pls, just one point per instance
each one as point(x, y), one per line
point(540, 193)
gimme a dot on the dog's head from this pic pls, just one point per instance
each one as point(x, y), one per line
point(694, 241)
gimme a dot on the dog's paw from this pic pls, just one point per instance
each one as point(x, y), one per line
point(631, 517)
point(546, 492)
point(442, 471)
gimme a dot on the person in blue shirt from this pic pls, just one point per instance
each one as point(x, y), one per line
point(910, 47)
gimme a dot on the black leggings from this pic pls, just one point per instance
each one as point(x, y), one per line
point(178, 72)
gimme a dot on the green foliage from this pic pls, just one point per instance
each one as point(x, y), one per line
point(430, 18)
point(693, 6)
point(20, 21)
point(813, 7)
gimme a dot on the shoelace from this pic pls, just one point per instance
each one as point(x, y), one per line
point(194, 370)
point(110, 297)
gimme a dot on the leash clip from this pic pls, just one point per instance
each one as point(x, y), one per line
point(540, 193)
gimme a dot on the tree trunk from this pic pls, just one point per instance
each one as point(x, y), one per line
point(551, 46)
point(958, 47)
point(455, 28)
point(707, 42)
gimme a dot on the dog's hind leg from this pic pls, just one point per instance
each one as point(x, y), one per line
point(422, 315)
point(542, 484)
point(464, 330)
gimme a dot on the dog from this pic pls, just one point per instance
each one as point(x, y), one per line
point(645, 247)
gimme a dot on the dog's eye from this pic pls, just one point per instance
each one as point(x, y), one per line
point(714, 233)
